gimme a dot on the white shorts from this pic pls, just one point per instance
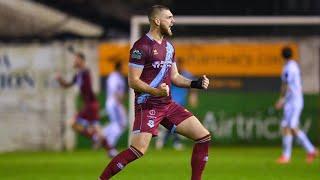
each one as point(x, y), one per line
point(117, 113)
point(118, 122)
point(291, 116)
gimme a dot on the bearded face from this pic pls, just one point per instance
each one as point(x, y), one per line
point(165, 29)
point(166, 22)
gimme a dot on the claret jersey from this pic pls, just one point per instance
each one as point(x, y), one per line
point(83, 80)
point(156, 60)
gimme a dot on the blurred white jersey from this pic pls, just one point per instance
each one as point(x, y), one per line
point(115, 85)
point(292, 76)
point(115, 110)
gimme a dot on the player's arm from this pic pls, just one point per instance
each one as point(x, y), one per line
point(180, 81)
point(286, 77)
point(138, 85)
point(177, 79)
point(283, 89)
point(63, 82)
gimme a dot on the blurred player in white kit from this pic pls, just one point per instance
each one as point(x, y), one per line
point(115, 92)
point(291, 100)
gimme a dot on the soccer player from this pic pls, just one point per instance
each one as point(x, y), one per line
point(152, 68)
point(116, 89)
point(291, 99)
point(180, 96)
point(86, 122)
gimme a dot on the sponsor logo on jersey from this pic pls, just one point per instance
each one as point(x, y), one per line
point(151, 123)
point(136, 54)
point(159, 64)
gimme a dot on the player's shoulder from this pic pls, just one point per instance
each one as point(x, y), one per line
point(112, 75)
point(292, 64)
point(144, 42)
point(141, 47)
point(169, 42)
point(85, 72)
point(115, 75)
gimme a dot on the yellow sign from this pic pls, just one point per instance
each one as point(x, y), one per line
point(219, 59)
point(238, 59)
point(109, 53)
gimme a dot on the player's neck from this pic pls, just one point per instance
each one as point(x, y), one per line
point(156, 35)
point(81, 68)
point(287, 61)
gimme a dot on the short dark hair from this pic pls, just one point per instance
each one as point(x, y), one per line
point(286, 52)
point(81, 56)
point(155, 9)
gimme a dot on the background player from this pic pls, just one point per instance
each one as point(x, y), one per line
point(151, 71)
point(116, 89)
point(291, 98)
point(86, 122)
point(180, 96)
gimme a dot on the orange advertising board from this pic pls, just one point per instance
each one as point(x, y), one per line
point(216, 59)
point(109, 53)
point(243, 59)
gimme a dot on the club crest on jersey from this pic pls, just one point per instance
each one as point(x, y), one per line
point(155, 52)
point(159, 64)
point(136, 54)
point(152, 112)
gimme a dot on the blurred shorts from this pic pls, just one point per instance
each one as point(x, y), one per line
point(147, 119)
point(291, 116)
point(89, 114)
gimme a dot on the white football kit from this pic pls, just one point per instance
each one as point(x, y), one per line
point(115, 109)
point(293, 106)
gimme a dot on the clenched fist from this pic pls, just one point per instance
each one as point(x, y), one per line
point(162, 90)
point(201, 83)
point(205, 82)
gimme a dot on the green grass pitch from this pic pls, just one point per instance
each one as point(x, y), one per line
point(225, 163)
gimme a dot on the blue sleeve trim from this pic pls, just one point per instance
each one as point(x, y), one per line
point(136, 65)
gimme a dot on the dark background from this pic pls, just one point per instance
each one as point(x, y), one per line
point(114, 16)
